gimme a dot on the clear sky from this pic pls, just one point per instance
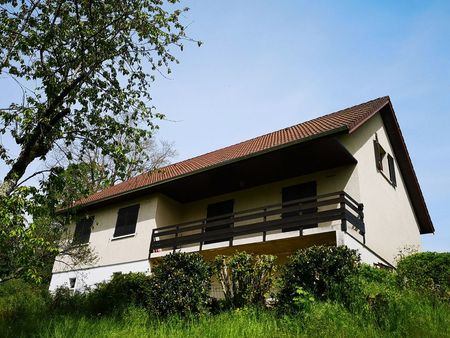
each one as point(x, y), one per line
point(267, 65)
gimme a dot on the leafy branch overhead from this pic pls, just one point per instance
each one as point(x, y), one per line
point(85, 69)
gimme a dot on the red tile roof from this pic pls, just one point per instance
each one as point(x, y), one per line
point(349, 119)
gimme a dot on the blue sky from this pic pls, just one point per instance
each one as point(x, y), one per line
point(266, 65)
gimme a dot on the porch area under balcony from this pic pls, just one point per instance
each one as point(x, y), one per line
point(278, 229)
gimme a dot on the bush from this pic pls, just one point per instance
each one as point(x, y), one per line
point(426, 271)
point(245, 278)
point(19, 298)
point(180, 285)
point(65, 301)
point(121, 292)
point(324, 271)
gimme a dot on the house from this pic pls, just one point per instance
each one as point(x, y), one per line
point(341, 179)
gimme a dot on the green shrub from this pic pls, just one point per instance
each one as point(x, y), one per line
point(426, 271)
point(66, 301)
point(19, 298)
point(114, 296)
point(326, 272)
point(180, 285)
point(245, 278)
point(370, 274)
point(121, 292)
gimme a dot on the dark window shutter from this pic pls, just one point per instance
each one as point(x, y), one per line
point(215, 211)
point(83, 230)
point(302, 191)
point(377, 149)
point(392, 170)
point(126, 220)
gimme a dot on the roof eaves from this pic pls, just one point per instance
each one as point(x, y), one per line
point(337, 130)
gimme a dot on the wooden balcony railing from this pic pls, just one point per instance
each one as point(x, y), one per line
point(291, 216)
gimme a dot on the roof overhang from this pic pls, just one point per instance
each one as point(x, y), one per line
point(287, 161)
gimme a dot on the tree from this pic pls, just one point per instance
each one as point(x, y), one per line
point(92, 63)
point(84, 70)
point(93, 171)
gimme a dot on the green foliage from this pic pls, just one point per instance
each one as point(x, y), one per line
point(387, 310)
point(371, 274)
point(26, 248)
point(112, 297)
point(123, 291)
point(426, 271)
point(324, 271)
point(83, 72)
point(19, 299)
point(245, 278)
point(303, 300)
point(89, 67)
point(180, 285)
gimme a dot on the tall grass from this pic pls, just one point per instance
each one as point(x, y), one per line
point(25, 312)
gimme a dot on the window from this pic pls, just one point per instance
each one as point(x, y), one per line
point(216, 210)
point(126, 221)
point(302, 191)
point(83, 230)
point(380, 154)
point(392, 176)
point(72, 282)
point(384, 163)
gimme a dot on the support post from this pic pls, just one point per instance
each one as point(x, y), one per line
point(342, 208)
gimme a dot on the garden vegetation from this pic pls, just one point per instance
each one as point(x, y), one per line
point(320, 291)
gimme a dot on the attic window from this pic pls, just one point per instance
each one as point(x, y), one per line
point(126, 221)
point(384, 163)
point(83, 230)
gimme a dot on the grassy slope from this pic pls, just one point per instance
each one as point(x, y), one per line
point(412, 318)
point(25, 312)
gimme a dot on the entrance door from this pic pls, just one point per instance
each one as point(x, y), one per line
point(296, 192)
point(215, 210)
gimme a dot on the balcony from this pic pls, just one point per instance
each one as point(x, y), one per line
point(268, 223)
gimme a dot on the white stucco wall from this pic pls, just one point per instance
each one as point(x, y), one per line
point(91, 276)
point(125, 254)
point(388, 214)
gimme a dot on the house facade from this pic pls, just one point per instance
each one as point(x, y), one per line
point(341, 179)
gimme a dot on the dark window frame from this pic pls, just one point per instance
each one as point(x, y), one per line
point(380, 155)
point(82, 233)
point(126, 221)
point(392, 174)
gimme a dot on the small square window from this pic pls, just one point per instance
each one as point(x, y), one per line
point(72, 282)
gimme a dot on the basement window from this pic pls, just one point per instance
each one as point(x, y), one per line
point(126, 221)
point(385, 163)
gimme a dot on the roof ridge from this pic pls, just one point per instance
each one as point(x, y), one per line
point(348, 108)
